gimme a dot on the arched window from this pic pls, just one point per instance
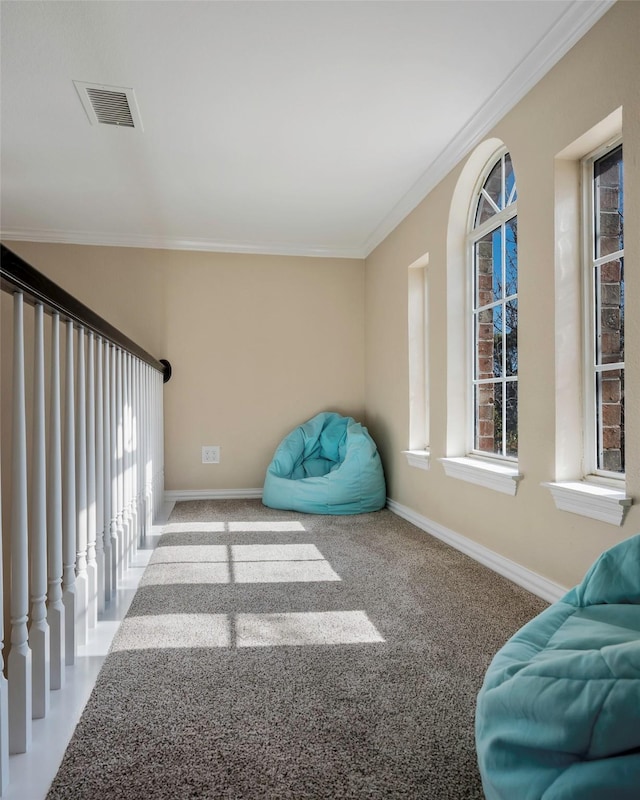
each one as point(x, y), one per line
point(493, 248)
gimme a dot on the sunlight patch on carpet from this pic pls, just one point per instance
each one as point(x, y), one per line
point(265, 527)
point(275, 552)
point(305, 628)
point(238, 563)
point(172, 631)
point(186, 573)
point(194, 527)
point(162, 631)
point(283, 572)
point(190, 553)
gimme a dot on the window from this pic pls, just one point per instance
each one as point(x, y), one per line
point(482, 306)
point(417, 308)
point(493, 245)
point(590, 420)
point(604, 313)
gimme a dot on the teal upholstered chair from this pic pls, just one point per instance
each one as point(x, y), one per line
point(328, 465)
point(558, 715)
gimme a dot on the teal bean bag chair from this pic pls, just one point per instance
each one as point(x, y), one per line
point(558, 715)
point(328, 465)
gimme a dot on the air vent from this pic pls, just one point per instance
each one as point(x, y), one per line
point(111, 108)
point(109, 105)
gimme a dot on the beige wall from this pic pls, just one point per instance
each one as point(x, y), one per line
point(596, 77)
point(258, 344)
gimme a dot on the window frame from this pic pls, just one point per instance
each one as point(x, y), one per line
point(474, 234)
point(418, 454)
point(589, 262)
point(591, 496)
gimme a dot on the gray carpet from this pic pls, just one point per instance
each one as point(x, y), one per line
point(275, 655)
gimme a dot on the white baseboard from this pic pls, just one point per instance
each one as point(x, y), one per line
point(531, 581)
point(174, 495)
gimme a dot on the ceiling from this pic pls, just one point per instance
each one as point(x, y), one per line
point(269, 127)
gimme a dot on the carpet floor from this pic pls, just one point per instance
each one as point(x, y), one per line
point(278, 656)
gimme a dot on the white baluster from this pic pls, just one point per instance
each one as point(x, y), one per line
point(160, 425)
point(99, 462)
point(113, 450)
point(4, 688)
point(69, 506)
point(142, 444)
point(155, 457)
point(92, 567)
point(126, 486)
point(39, 629)
point(132, 459)
point(55, 609)
point(142, 439)
point(19, 662)
point(118, 440)
point(135, 445)
point(152, 444)
point(156, 445)
point(82, 578)
point(147, 448)
point(108, 587)
point(148, 493)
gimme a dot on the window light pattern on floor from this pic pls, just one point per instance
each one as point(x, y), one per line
point(264, 526)
point(253, 563)
point(305, 628)
point(246, 630)
point(200, 557)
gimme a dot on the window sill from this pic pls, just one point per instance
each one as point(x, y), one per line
point(591, 500)
point(497, 476)
point(418, 458)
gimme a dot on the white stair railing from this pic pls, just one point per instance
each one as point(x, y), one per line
point(92, 566)
point(55, 606)
point(101, 593)
point(69, 506)
point(82, 496)
point(82, 578)
point(39, 627)
point(4, 687)
point(107, 468)
point(19, 661)
point(121, 531)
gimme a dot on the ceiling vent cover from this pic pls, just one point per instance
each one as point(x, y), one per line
point(109, 105)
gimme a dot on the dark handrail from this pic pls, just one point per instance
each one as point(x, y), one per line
point(16, 274)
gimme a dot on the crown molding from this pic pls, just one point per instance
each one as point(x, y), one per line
point(170, 243)
point(572, 26)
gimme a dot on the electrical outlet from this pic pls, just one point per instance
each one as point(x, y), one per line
point(211, 454)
